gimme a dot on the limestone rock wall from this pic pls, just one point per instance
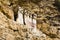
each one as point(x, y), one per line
point(48, 20)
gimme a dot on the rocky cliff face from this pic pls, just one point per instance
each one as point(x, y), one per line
point(48, 20)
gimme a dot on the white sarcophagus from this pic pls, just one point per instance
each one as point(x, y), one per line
point(34, 25)
point(20, 16)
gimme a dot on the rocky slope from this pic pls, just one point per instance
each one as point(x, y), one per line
point(48, 20)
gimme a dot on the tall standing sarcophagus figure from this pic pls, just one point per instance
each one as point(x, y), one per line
point(20, 16)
